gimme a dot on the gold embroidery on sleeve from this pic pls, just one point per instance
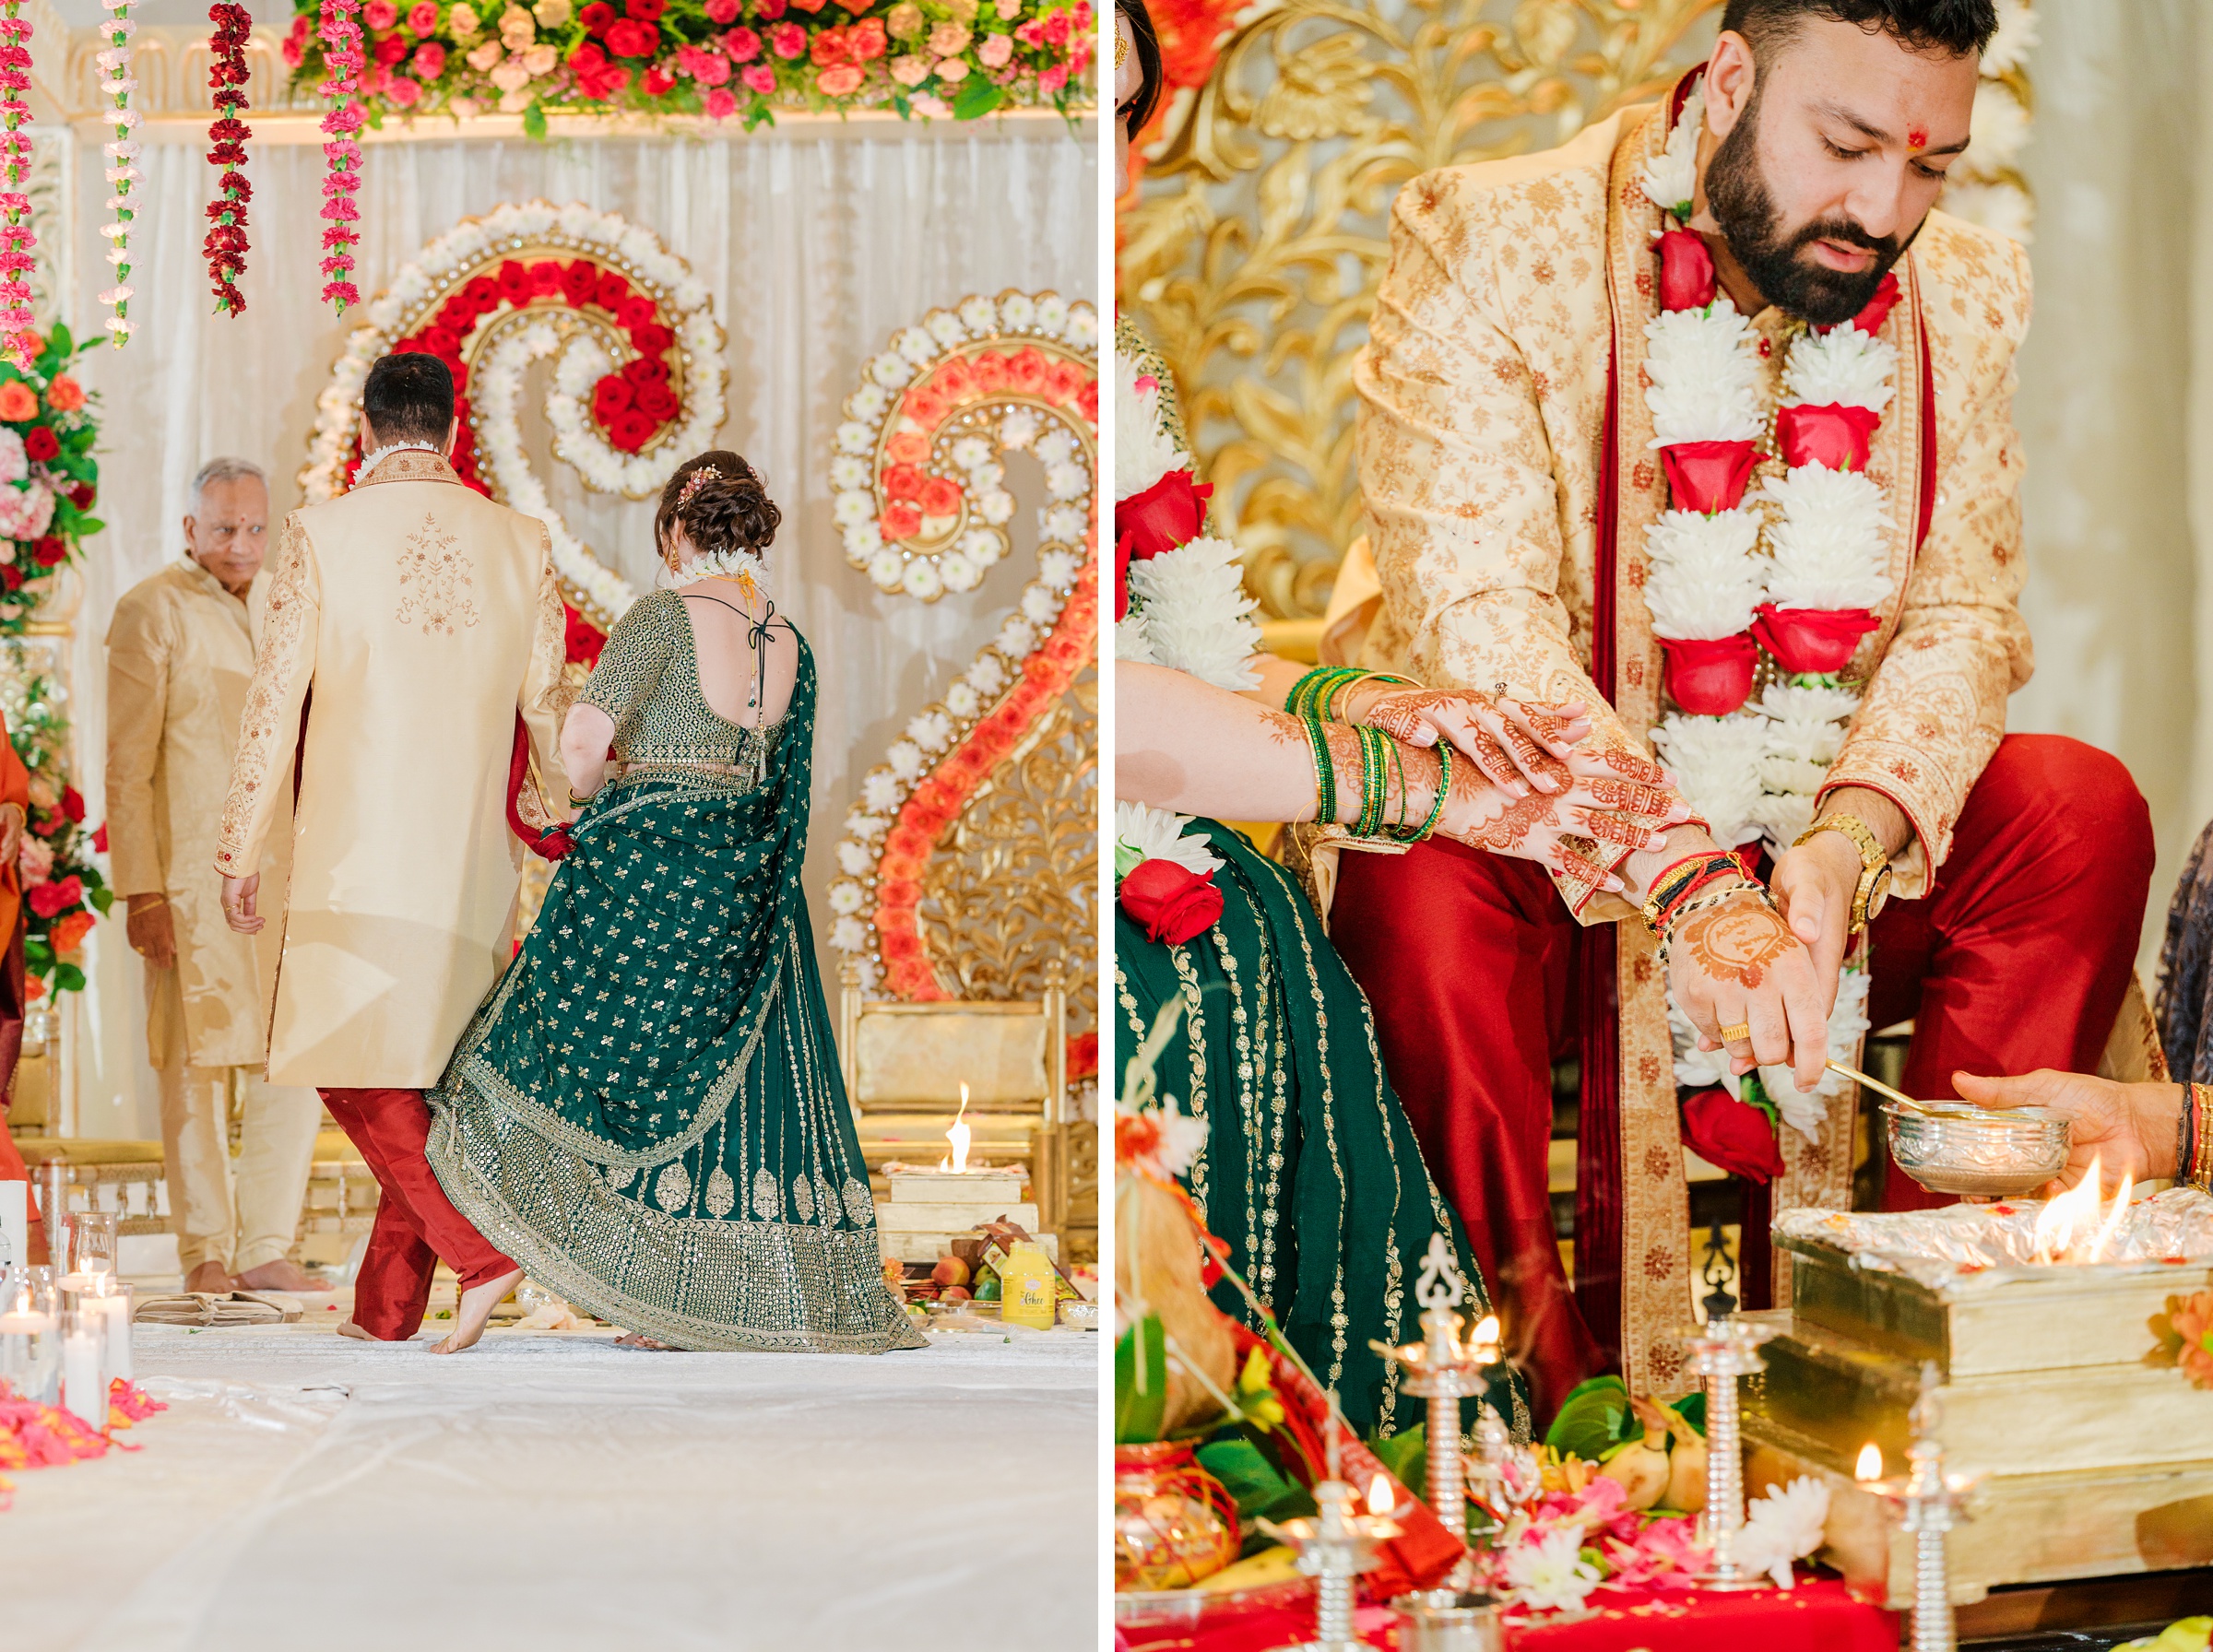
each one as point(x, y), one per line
point(284, 625)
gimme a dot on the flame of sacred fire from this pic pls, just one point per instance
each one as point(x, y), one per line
point(2078, 1225)
point(1870, 1467)
point(1486, 1331)
point(1379, 1496)
point(958, 1136)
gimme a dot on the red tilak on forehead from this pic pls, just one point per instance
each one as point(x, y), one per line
point(1918, 136)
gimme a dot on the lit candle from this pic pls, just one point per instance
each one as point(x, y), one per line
point(1379, 1500)
point(1486, 1350)
point(15, 1224)
point(1870, 1467)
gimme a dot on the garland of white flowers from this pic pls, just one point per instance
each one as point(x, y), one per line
point(742, 566)
point(117, 85)
point(976, 446)
point(1820, 545)
point(1187, 607)
point(876, 415)
point(447, 263)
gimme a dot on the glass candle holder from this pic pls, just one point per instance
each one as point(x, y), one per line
point(31, 1333)
point(93, 1236)
point(84, 1363)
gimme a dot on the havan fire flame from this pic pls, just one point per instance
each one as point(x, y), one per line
point(2076, 1227)
point(958, 1136)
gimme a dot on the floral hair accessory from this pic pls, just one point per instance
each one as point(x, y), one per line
point(694, 482)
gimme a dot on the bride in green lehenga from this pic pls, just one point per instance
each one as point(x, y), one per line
point(647, 1111)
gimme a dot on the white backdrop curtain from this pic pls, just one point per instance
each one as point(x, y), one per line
point(816, 242)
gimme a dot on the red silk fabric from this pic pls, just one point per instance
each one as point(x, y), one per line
point(416, 1224)
point(551, 844)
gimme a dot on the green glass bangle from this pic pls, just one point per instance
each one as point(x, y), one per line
point(1303, 698)
point(1325, 774)
point(1372, 800)
point(1443, 790)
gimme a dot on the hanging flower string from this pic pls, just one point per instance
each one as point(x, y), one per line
point(341, 36)
point(16, 339)
point(117, 84)
point(226, 246)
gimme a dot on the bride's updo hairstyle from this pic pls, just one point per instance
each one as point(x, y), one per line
point(720, 503)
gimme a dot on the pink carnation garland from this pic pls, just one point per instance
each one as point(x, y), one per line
point(341, 36)
point(18, 343)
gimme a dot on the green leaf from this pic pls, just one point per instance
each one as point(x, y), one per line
point(534, 120)
point(101, 899)
point(61, 342)
point(1262, 1489)
point(976, 98)
point(89, 525)
point(1137, 1417)
point(1693, 1411)
point(1405, 1454)
point(1589, 1418)
point(1125, 861)
point(760, 114)
point(68, 977)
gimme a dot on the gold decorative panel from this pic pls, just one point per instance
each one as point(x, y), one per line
point(1252, 258)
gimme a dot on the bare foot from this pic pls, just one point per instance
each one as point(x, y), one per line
point(283, 1274)
point(211, 1279)
point(640, 1339)
point(348, 1328)
point(475, 1312)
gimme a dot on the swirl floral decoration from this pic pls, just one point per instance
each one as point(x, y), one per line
point(716, 58)
point(924, 509)
point(225, 248)
point(637, 384)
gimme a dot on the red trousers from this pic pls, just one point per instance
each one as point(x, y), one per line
point(416, 1224)
point(2016, 958)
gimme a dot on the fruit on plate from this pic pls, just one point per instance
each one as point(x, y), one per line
point(987, 1288)
point(949, 1270)
point(1255, 1570)
point(954, 1293)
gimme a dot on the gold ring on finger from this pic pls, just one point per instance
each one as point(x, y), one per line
point(1740, 1033)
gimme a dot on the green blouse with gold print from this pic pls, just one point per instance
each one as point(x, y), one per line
point(647, 1111)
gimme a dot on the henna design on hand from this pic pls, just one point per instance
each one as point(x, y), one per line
point(1577, 868)
point(1345, 761)
point(1624, 830)
point(1736, 941)
point(1630, 798)
point(1635, 768)
point(1400, 715)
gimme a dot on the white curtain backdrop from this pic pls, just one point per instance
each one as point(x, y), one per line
point(817, 242)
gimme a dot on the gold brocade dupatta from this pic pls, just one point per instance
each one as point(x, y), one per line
point(1630, 1187)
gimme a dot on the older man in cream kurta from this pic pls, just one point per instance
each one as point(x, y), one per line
point(180, 654)
point(409, 622)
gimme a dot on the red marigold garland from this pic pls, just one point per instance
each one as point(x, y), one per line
point(341, 36)
point(17, 340)
point(226, 245)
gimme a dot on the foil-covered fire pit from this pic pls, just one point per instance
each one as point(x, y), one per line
point(2094, 1456)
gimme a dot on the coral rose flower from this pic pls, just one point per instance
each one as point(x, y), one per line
point(379, 15)
point(900, 521)
point(759, 77)
point(65, 393)
point(721, 104)
point(940, 496)
point(422, 18)
point(907, 447)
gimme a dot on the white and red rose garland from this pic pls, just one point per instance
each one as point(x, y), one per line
point(17, 342)
point(225, 248)
point(341, 36)
point(1796, 571)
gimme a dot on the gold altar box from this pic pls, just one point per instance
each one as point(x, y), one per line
point(2091, 1461)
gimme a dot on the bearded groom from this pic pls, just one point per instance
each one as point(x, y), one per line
point(1704, 420)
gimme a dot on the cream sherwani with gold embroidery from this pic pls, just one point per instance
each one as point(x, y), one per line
point(409, 623)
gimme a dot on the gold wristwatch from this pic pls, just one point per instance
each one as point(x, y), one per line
point(1874, 887)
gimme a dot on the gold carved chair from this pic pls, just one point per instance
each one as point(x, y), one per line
point(903, 1065)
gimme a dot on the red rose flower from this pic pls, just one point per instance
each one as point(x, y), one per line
point(50, 898)
point(584, 639)
point(1685, 272)
point(658, 81)
point(1026, 371)
point(598, 18)
point(545, 277)
point(1706, 476)
point(940, 496)
point(1877, 309)
point(742, 44)
point(990, 369)
point(1121, 577)
point(631, 38)
point(827, 47)
point(1710, 679)
point(631, 430)
point(646, 11)
point(579, 281)
point(636, 311)
point(900, 521)
point(40, 444)
point(515, 281)
point(1811, 640)
point(611, 396)
point(658, 402)
point(866, 40)
point(723, 12)
point(955, 381)
point(49, 551)
point(99, 839)
point(73, 805)
point(925, 406)
point(611, 291)
point(390, 50)
point(651, 338)
point(1165, 516)
point(82, 495)
point(1831, 435)
point(902, 482)
point(1170, 902)
point(645, 370)
point(1062, 379)
point(482, 292)
point(1732, 1134)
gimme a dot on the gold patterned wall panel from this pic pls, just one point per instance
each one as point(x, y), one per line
point(1253, 256)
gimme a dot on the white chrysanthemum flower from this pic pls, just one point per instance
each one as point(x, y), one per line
point(1705, 373)
point(865, 826)
point(1798, 776)
point(1197, 614)
point(1790, 703)
point(988, 475)
point(1784, 1526)
point(846, 896)
point(1057, 568)
point(1997, 132)
point(1843, 365)
point(891, 370)
point(1156, 834)
point(969, 452)
point(1015, 638)
point(930, 730)
point(1705, 578)
point(868, 404)
point(958, 573)
point(962, 701)
point(1804, 739)
point(862, 540)
point(905, 758)
point(945, 326)
point(1057, 446)
point(988, 675)
point(1052, 314)
point(916, 345)
point(849, 471)
point(1064, 523)
point(852, 507)
point(997, 507)
point(1847, 1024)
point(855, 859)
point(1672, 180)
point(849, 935)
point(1066, 481)
point(983, 546)
point(1020, 427)
point(1143, 452)
point(1714, 760)
point(920, 580)
point(979, 315)
point(886, 569)
point(2012, 42)
point(1828, 548)
point(1040, 605)
point(1018, 311)
point(2003, 207)
point(1782, 816)
point(1549, 1573)
point(1083, 324)
point(1131, 643)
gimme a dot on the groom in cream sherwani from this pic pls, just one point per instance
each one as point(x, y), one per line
point(409, 623)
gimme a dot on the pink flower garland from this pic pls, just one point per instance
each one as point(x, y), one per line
point(342, 35)
point(17, 342)
point(117, 84)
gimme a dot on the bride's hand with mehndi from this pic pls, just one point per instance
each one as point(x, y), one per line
point(1509, 740)
point(1613, 799)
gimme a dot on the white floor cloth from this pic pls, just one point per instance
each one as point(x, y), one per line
point(551, 1490)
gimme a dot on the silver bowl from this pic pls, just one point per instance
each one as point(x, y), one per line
point(1978, 1152)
